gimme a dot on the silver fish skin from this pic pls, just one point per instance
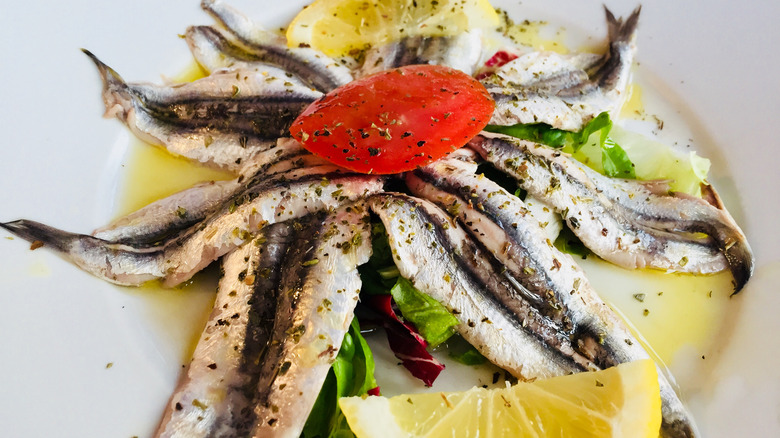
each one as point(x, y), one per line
point(318, 292)
point(165, 217)
point(215, 49)
point(432, 251)
point(283, 306)
point(221, 120)
point(633, 224)
point(461, 52)
point(552, 279)
point(158, 220)
point(215, 395)
point(565, 91)
point(263, 202)
point(310, 65)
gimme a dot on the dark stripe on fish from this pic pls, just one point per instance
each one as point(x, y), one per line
point(311, 66)
point(470, 270)
point(317, 294)
point(630, 223)
point(462, 52)
point(565, 91)
point(493, 215)
point(223, 119)
point(263, 202)
point(215, 396)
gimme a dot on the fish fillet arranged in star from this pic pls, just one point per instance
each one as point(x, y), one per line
point(283, 305)
point(631, 223)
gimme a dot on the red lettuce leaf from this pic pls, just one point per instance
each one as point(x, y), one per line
point(406, 342)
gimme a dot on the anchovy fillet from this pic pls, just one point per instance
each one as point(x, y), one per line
point(630, 223)
point(551, 280)
point(441, 260)
point(214, 49)
point(564, 91)
point(264, 201)
point(221, 120)
point(215, 395)
point(318, 292)
point(462, 52)
point(283, 307)
point(310, 65)
point(166, 217)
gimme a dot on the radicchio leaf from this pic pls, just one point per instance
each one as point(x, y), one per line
point(406, 343)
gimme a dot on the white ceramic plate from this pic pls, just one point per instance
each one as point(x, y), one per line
point(62, 328)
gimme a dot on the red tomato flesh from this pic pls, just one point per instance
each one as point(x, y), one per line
point(395, 120)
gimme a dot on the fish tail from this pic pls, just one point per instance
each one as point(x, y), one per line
point(614, 72)
point(731, 241)
point(116, 93)
point(112, 262)
point(40, 234)
point(620, 30)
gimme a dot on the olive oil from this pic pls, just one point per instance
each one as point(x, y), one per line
point(178, 314)
point(537, 35)
point(673, 314)
point(633, 106)
point(151, 173)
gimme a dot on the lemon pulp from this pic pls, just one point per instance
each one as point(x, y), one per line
point(338, 27)
point(617, 402)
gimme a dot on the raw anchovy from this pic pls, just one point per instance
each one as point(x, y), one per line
point(264, 201)
point(310, 65)
point(633, 224)
point(550, 280)
point(495, 316)
point(564, 91)
point(215, 395)
point(160, 219)
point(214, 49)
point(165, 217)
point(462, 52)
point(221, 120)
point(283, 307)
point(318, 292)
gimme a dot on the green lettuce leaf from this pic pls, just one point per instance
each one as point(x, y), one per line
point(378, 275)
point(609, 153)
point(614, 160)
point(557, 138)
point(569, 243)
point(432, 320)
point(351, 374)
point(463, 352)
point(684, 171)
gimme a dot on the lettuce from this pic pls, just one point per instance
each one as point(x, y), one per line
point(351, 374)
point(609, 153)
point(685, 171)
point(406, 343)
point(460, 350)
point(432, 320)
point(614, 159)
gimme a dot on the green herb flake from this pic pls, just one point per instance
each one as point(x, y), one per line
point(311, 262)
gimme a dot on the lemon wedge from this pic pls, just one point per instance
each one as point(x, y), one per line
point(622, 401)
point(338, 27)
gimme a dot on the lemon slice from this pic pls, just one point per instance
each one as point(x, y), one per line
point(623, 401)
point(338, 27)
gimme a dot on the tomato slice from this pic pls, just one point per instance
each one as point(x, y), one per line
point(395, 120)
